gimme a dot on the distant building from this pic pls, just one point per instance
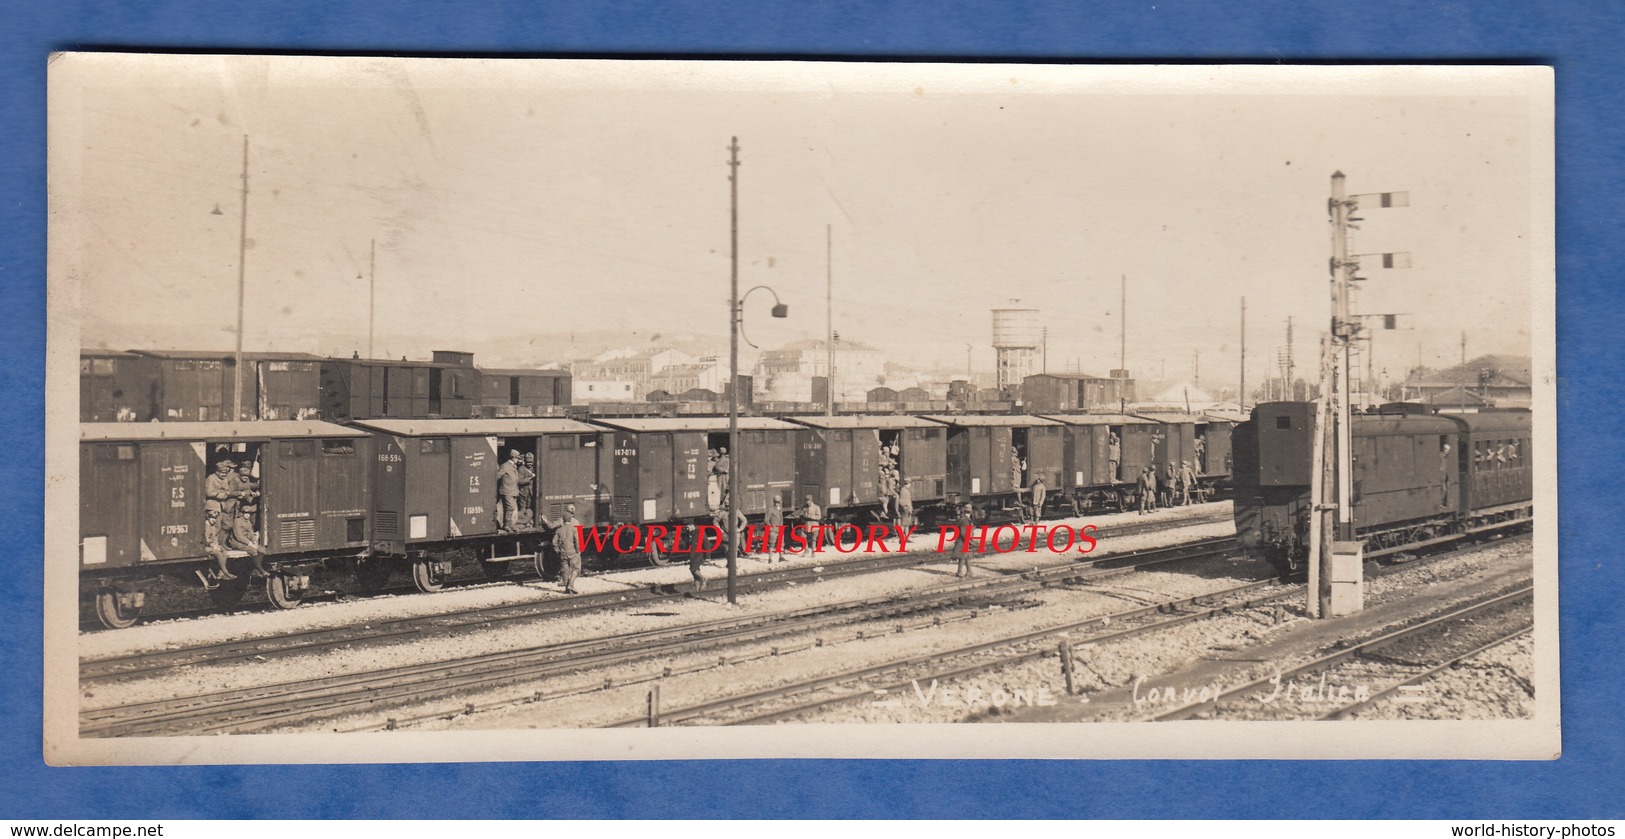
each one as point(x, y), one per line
point(626, 375)
point(786, 374)
point(1501, 381)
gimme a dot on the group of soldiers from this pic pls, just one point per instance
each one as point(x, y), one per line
point(230, 509)
point(1170, 489)
point(716, 470)
point(516, 492)
point(896, 496)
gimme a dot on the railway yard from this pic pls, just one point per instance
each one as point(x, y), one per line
point(1167, 619)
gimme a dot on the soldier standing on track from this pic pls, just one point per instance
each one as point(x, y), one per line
point(508, 492)
point(967, 514)
point(1039, 492)
point(527, 490)
point(813, 518)
point(1187, 479)
point(1148, 491)
point(567, 543)
point(905, 506)
point(774, 522)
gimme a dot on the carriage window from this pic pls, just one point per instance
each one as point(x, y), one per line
point(102, 366)
point(1283, 422)
point(933, 434)
point(338, 447)
point(589, 441)
point(840, 436)
point(437, 445)
point(561, 442)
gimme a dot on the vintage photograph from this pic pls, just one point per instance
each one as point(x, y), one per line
point(469, 409)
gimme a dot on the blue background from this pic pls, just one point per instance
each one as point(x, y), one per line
point(1581, 39)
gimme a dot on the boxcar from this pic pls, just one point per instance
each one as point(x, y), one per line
point(838, 460)
point(522, 388)
point(982, 452)
point(118, 386)
point(661, 472)
point(435, 490)
point(1088, 479)
point(142, 505)
point(366, 388)
point(1495, 465)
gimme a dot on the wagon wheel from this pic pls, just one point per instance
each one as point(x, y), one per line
point(424, 575)
point(229, 593)
point(111, 614)
point(657, 557)
point(371, 575)
point(280, 595)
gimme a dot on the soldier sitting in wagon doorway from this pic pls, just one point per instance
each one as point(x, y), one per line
point(241, 534)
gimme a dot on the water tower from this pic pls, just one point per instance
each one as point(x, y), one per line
point(1016, 338)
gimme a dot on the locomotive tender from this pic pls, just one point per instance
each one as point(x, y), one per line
point(1419, 479)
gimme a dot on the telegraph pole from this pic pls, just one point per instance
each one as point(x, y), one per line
point(1122, 347)
point(733, 369)
point(242, 284)
point(829, 322)
point(372, 293)
point(1241, 398)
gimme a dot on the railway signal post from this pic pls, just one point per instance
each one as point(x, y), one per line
point(1335, 554)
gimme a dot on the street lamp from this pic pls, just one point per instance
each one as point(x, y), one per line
point(736, 328)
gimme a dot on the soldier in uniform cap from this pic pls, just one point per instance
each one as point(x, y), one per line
point(567, 542)
point(219, 489)
point(508, 492)
point(1039, 492)
point(527, 490)
point(813, 518)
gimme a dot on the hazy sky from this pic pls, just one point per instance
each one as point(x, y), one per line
point(530, 197)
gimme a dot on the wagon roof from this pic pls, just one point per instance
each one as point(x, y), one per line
point(1100, 419)
point(643, 424)
point(1374, 425)
point(210, 355)
point(1485, 422)
point(1170, 416)
point(991, 420)
point(261, 429)
point(500, 426)
point(869, 421)
point(522, 371)
point(95, 353)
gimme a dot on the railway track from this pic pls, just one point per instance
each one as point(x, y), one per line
point(1394, 661)
point(903, 676)
point(145, 664)
point(479, 578)
point(261, 707)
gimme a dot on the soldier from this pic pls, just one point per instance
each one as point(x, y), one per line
point(721, 470)
point(508, 492)
point(1187, 479)
point(1148, 491)
point(1166, 494)
point(567, 543)
point(242, 537)
point(967, 514)
point(1114, 455)
point(220, 491)
point(696, 561)
point(888, 493)
point(812, 517)
point(527, 490)
point(1016, 468)
point(1039, 491)
point(1201, 454)
point(774, 522)
point(905, 506)
point(212, 544)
